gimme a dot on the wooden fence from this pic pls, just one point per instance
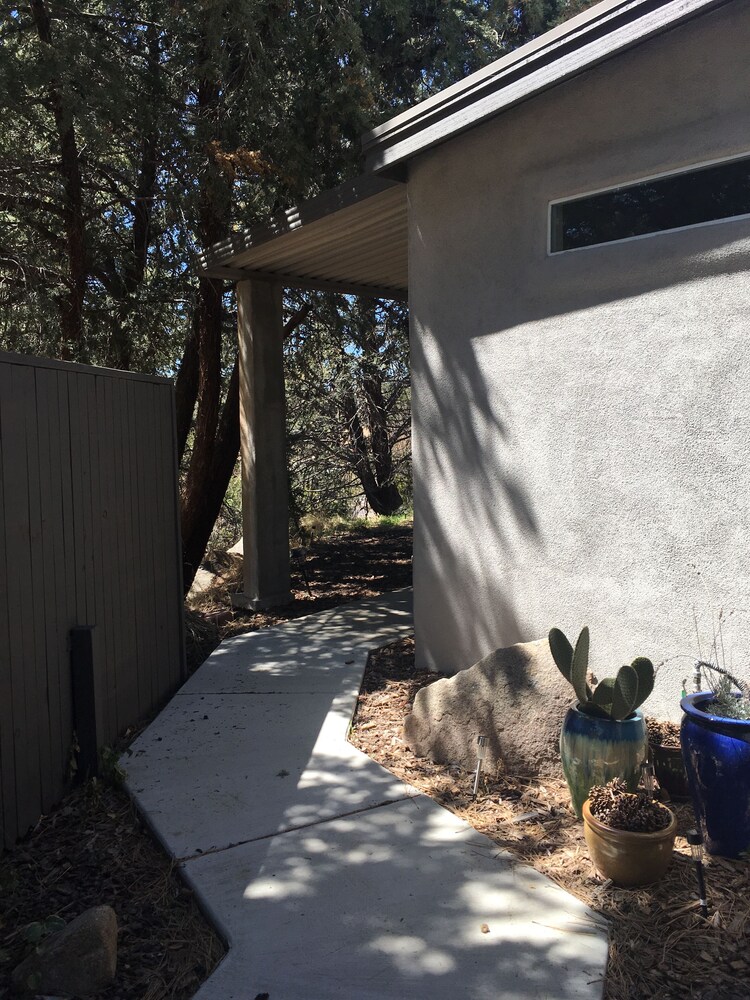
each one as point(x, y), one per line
point(89, 536)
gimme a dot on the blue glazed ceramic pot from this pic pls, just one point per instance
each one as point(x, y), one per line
point(594, 751)
point(717, 760)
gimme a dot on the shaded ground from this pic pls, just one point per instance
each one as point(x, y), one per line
point(92, 849)
point(362, 563)
point(659, 945)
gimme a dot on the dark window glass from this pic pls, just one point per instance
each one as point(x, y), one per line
point(687, 199)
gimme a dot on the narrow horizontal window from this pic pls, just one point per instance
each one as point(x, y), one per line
point(690, 198)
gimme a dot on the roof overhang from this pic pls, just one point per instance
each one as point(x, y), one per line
point(352, 239)
point(598, 34)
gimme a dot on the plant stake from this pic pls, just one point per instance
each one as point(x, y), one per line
point(481, 754)
point(696, 847)
point(647, 772)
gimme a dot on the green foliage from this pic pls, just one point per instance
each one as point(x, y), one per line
point(134, 134)
point(312, 527)
point(348, 407)
point(228, 527)
point(111, 772)
point(727, 703)
point(614, 697)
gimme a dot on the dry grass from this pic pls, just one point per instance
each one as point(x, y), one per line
point(659, 945)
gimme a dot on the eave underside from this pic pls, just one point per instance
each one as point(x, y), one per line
point(353, 240)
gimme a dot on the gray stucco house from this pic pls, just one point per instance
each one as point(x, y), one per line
point(571, 226)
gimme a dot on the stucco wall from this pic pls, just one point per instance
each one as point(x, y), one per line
point(581, 445)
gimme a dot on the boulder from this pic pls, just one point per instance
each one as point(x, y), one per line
point(515, 696)
point(78, 960)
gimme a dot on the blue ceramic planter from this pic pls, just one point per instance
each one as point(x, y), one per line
point(594, 751)
point(717, 759)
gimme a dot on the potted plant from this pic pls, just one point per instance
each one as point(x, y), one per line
point(715, 737)
point(630, 837)
point(604, 735)
point(665, 754)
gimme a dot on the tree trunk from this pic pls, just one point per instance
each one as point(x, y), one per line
point(71, 306)
point(186, 389)
point(200, 483)
point(388, 495)
point(382, 495)
point(205, 481)
point(223, 460)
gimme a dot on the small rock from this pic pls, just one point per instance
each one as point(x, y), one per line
point(79, 959)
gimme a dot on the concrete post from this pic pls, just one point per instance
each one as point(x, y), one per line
point(265, 488)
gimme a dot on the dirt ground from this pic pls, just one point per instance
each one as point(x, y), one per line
point(92, 848)
point(660, 946)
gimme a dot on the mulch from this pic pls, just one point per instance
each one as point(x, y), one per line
point(660, 946)
point(92, 850)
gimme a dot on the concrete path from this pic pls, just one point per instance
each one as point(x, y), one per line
point(329, 877)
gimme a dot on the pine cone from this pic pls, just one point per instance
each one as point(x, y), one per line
point(613, 805)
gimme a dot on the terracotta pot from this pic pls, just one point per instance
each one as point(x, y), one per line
point(628, 858)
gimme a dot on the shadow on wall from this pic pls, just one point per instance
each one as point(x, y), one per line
point(468, 612)
point(545, 287)
point(541, 493)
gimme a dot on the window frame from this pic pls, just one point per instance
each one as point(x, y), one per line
point(693, 167)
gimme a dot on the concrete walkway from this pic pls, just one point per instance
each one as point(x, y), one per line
point(329, 877)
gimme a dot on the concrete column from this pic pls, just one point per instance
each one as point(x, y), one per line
point(265, 488)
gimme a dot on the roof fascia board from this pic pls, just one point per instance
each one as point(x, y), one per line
point(344, 196)
point(224, 273)
point(575, 46)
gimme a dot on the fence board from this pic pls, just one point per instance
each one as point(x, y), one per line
point(15, 389)
point(80, 501)
point(142, 419)
point(9, 816)
point(48, 564)
point(68, 577)
point(89, 535)
point(168, 555)
point(110, 545)
point(38, 612)
point(105, 560)
point(136, 559)
point(161, 668)
point(127, 582)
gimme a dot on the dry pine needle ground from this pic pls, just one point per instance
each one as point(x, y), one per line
point(93, 850)
point(659, 945)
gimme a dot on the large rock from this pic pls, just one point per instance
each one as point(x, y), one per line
point(515, 696)
point(78, 960)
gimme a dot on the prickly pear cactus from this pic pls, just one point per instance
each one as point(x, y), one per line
point(614, 697)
